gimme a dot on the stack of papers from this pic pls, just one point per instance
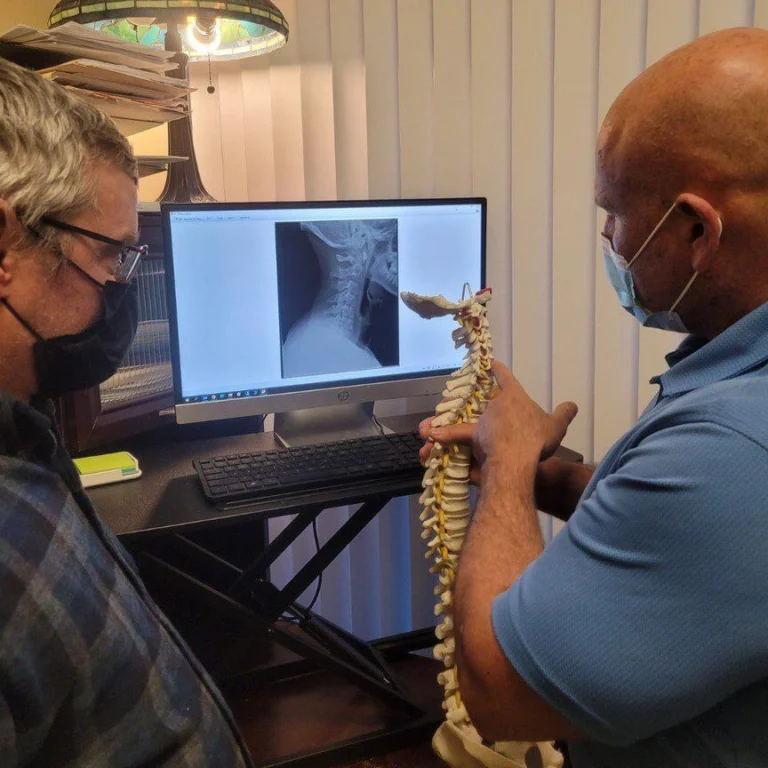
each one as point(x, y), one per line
point(131, 115)
point(125, 80)
point(117, 79)
point(134, 99)
point(78, 41)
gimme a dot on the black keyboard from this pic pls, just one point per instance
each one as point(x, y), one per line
point(246, 476)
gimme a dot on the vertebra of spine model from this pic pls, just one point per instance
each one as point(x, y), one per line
point(445, 518)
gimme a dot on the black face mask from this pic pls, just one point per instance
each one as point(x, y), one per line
point(69, 363)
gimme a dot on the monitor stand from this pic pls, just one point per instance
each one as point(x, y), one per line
point(312, 426)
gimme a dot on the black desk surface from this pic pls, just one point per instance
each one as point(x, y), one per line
point(168, 497)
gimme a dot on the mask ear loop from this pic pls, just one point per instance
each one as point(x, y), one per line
point(653, 232)
point(21, 320)
point(682, 295)
point(695, 275)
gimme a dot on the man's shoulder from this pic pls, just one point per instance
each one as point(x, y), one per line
point(738, 406)
point(713, 433)
point(41, 526)
point(30, 490)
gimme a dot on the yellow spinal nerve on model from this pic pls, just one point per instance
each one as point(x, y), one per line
point(445, 516)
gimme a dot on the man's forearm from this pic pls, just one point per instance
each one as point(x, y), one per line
point(559, 486)
point(503, 538)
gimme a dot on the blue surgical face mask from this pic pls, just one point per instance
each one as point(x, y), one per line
point(618, 270)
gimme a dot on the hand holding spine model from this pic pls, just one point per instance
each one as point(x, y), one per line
point(445, 516)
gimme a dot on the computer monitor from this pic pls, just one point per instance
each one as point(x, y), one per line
point(290, 308)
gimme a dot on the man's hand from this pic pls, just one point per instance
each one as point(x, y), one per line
point(456, 433)
point(512, 421)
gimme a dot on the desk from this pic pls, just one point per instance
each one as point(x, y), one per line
point(155, 517)
point(168, 497)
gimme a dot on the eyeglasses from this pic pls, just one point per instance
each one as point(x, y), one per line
point(128, 259)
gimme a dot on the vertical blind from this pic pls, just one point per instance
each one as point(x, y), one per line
point(424, 98)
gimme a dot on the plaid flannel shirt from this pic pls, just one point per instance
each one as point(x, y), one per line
point(92, 674)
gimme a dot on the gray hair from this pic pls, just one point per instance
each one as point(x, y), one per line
point(49, 141)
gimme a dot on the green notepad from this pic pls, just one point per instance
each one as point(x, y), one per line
point(107, 468)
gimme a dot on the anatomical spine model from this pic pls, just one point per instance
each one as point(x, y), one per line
point(445, 516)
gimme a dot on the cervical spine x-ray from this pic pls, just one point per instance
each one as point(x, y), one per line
point(338, 288)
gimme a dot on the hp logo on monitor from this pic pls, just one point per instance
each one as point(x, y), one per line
point(343, 396)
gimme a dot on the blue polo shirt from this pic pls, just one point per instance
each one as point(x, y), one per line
point(645, 622)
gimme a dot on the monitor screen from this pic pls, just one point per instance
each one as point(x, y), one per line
point(270, 299)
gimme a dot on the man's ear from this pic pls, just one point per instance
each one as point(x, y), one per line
point(8, 231)
point(706, 229)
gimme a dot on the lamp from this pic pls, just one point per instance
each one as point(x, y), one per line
point(194, 30)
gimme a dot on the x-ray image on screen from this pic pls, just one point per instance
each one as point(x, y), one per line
point(337, 294)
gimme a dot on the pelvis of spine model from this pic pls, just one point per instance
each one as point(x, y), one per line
point(445, 516)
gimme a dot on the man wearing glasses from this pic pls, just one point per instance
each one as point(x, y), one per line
point(91, 672)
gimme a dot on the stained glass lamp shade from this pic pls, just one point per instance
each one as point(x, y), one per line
point(225, 30)
point(195, 29)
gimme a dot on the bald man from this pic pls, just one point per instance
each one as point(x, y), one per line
point(640, 634)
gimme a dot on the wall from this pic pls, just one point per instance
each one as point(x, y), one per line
point(501, 98)
point(32, 12)
point(151, 142)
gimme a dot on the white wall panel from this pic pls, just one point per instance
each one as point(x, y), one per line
point(573, 213)
point(417, 97)
point(232, 108)
point(259, 133)
point(499, 98)
point(350, 118)
point(533, 35)
point(670, 24)
point(382, 97)
point(206, 130)
point(491, 114)
point(317, 100)
point(285, 82)
point(716, 14)
point(622, 57)
point(453, 98)
point(761, 14)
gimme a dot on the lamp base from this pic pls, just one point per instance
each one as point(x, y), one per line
point(183, 183)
